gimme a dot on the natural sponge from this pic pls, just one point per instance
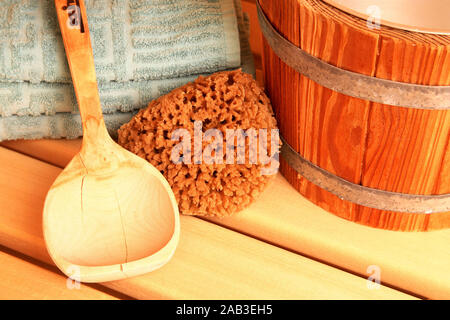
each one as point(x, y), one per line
point(224, 101)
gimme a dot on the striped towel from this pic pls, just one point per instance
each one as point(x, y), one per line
point(142, 49)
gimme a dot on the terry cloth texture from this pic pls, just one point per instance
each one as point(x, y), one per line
point(142, 50)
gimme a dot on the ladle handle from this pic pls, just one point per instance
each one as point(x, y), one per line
point(75, 33)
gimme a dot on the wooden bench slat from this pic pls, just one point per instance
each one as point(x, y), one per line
point(23, 280)
point(211, 262)
point(414, 262)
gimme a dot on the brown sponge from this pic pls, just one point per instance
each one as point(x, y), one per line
point(224, 100)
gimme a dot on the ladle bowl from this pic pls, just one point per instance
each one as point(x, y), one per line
point(110, 214)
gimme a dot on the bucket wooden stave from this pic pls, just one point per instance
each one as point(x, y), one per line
point(384, 147)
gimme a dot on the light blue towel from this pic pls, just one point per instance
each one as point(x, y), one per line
point(33, 109)
point(132, 39)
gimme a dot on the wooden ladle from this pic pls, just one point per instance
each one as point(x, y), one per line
point(110, 214)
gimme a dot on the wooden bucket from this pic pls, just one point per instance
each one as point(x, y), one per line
point(363, 112)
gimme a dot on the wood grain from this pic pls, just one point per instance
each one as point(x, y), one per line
point(379, 146)
point(413, 262)
point(210, 263)
point(406, 148)
point(23, 280)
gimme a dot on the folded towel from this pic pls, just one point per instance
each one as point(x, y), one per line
point(29, 99)
point(48, 110)
point(132, 39)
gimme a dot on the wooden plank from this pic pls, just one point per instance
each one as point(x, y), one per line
point(43, 150)
point(412, 261)
point(211, 262)
point(23, 280)
point(415, 262)
point(406, 148)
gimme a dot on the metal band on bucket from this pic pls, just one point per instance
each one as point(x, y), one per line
point(368, 197)
point(354, 84)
